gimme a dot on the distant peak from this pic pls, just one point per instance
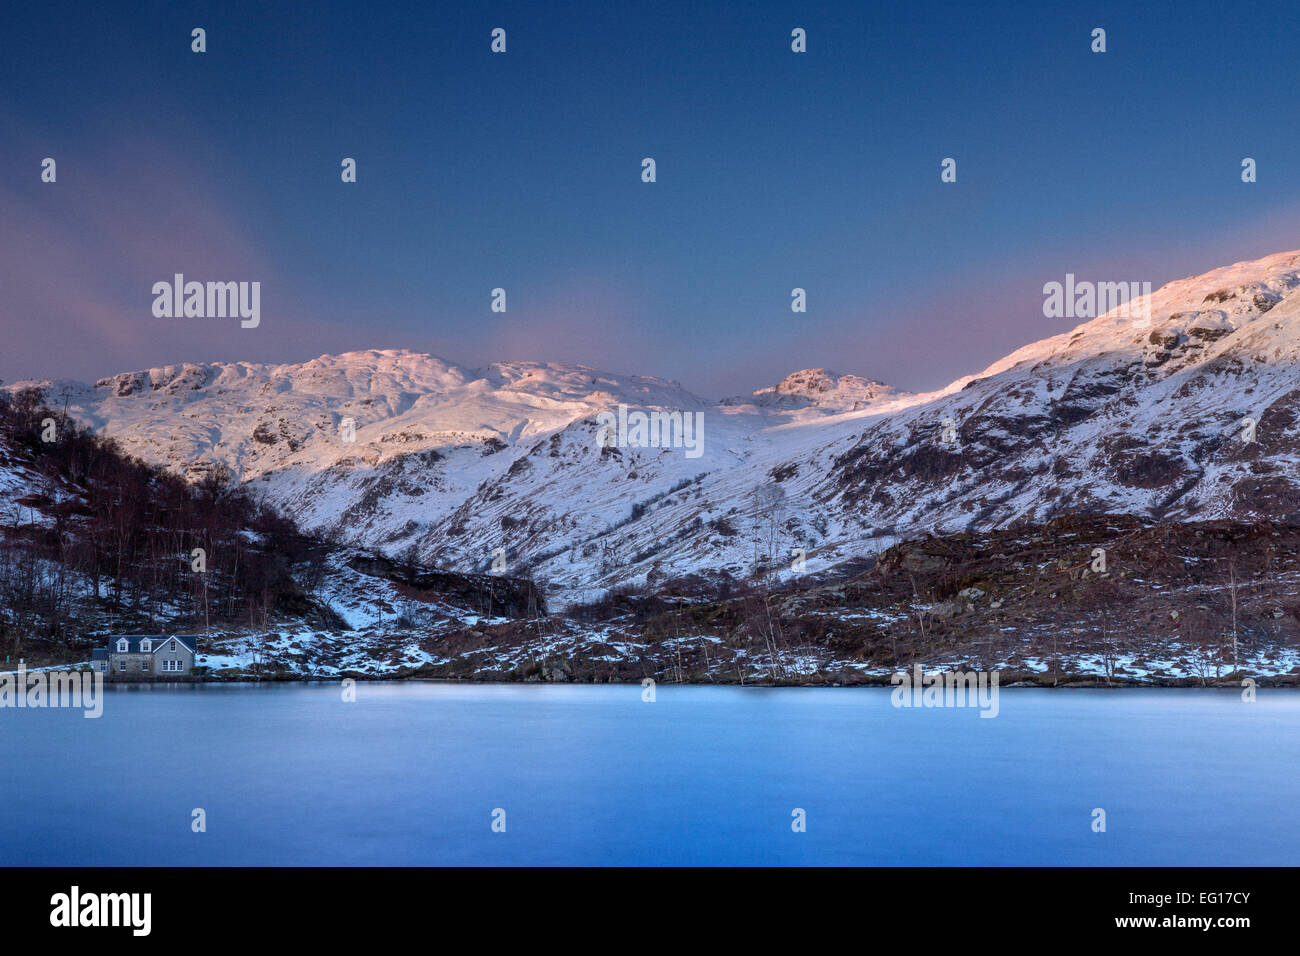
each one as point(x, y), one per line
point(818, 387)
point(821, 381)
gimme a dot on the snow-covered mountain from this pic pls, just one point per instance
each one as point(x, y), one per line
point(817, 387)
point(457, 463)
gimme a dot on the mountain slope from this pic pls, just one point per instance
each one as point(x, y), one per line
point(1112, 417)
point(458, 466)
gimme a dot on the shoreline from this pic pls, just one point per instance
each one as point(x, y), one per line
point(1284, 681)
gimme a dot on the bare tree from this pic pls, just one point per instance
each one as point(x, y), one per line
point(1232, 577)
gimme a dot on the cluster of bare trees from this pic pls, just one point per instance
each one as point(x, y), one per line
point(1213, 639)
point(107, 540)
point(767, 532)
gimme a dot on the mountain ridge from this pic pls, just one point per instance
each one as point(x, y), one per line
point(456, 465)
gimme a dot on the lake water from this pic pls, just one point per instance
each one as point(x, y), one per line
point(411, 774)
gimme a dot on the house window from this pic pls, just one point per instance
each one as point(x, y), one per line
point(146, 645)
point(121, 665)
point(144, 665)
point(173, 644)
point(121, 646)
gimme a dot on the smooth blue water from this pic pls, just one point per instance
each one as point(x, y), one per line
point(410, 774)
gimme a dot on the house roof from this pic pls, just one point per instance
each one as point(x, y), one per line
point(191, 641)
point(133, 642)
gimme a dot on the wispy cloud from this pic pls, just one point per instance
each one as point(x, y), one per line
point(78, 259)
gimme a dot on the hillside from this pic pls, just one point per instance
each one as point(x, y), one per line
point(93, 541)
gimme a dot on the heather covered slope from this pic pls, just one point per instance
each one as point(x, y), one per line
point(1179, 604)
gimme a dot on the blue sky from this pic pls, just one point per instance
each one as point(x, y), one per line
point(522, 171)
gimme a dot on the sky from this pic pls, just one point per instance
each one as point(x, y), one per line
point(522, 171)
